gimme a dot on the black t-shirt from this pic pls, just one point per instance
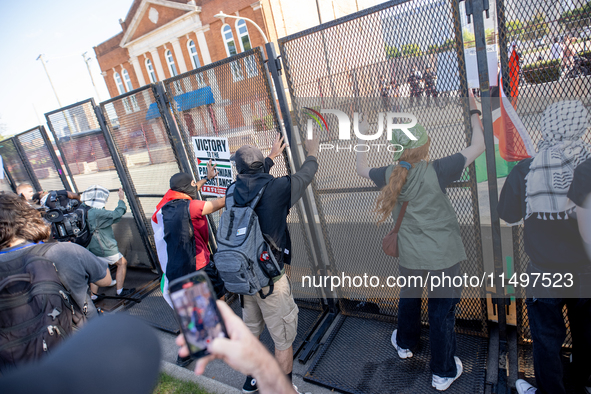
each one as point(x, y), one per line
point(580, 188)
point(551, 244)
point(448, 169)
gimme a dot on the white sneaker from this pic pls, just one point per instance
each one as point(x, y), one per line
point(402, 353)
point(113, 283)
point(524, 388)
point(442, 384)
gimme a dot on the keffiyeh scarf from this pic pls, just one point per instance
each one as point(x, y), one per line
point(559, 153)
point(95, 196)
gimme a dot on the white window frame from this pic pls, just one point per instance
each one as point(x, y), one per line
point(193, 54)
point(119, 83)
point(200, 80)
point(228, 40)
point(242, 23)
point(250, 64)
point(170, 62)
point(127, 80)
point(150, 69)
point(236, 70)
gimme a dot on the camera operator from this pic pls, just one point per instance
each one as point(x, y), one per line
point(22, 227)
point(56, 199)
point(103, 243)
point(25, 190)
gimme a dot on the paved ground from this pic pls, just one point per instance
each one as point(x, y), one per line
point(219, 371)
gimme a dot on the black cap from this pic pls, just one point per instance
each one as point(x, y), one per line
point(248, 159)
point(180, 181)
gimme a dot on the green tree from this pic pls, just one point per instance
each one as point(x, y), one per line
point(576, 18)
point(391, 51)
point(433, 48)
point(411, 50)
point(536, 28)
point(514, 30)
point(469, 39)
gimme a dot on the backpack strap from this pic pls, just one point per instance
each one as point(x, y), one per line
point(230, 195)
point(40, 250)
point(256, 200)
point(271, 286)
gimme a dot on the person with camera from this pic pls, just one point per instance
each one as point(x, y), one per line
point(25, 190)
point(22, 230)
point(57, 199)
point(103, 243)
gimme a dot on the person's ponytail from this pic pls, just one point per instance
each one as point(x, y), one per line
point(389, 195)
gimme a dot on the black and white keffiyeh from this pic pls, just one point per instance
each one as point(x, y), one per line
point(559, 153)
point(95, 196)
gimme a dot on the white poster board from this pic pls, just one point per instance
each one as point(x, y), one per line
point(472, 66)
point(218, 150)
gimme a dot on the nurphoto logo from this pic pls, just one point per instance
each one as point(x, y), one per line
point(392, 121)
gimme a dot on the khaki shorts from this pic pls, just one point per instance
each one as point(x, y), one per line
point(279, 311)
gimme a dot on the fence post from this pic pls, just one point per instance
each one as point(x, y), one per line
point(54, 158)
point(63, 156)
point(178, 146)
point(27, 164)
point(137, 211)
point(11, 181)
point(483, 74)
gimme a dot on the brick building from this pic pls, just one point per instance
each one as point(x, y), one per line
point(163, 38)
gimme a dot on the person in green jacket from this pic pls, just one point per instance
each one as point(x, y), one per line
point(103, 243)
point(429, 240)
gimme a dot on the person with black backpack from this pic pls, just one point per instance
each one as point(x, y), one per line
point(103, 243)
point(43, 286)
point(181, 233)
point(265, 244)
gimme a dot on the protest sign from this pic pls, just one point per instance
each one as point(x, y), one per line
point(218, 150)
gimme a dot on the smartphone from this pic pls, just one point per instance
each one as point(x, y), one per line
point(194, 300)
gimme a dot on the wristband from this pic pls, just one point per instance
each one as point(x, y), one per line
point(475, 111)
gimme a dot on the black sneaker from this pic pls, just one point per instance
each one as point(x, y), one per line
point(183, 361)
point(127, 292)
point(250, 386)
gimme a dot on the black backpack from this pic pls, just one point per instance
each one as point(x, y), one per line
point(36, 312)
point(180, 238)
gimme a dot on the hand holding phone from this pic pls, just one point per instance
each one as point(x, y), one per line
point(197, 313)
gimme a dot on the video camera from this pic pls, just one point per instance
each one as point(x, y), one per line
point(67, 217)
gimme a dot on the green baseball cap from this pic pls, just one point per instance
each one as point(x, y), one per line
point(399, 137)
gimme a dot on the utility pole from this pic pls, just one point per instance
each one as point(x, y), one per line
point(48, 77)
point(86, 60)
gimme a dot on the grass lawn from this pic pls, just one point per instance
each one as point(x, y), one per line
point(169, 385)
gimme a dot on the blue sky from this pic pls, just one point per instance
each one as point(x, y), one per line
point(62, 30)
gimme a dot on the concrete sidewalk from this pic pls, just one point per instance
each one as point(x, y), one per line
point(219, 377)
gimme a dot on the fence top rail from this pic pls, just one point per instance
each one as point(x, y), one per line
point(28, 131)
point(344, 19)
point(126, 94)
point(62, 109)
point(230, 59)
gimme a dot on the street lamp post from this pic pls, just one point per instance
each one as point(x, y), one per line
point(40, 57)
point(222, 15)
point(86, 60)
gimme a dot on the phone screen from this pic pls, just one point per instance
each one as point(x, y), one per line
point(198, 314)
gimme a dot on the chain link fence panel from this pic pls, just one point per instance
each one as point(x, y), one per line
point(86, 155)
point(233, 98)
point(378, 60)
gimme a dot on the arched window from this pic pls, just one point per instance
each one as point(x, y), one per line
point(243, 37)
point(170, 62)
point(127, 80)
point(119, 83)
point(193, 53)
point(229, 40)
point(150, 69)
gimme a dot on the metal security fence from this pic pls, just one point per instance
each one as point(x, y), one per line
point(233, 98)
point(370, 62)
point(142, 141)
point(44, 162)
point(545, 58)
point(88, 160)
point(15, 165)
